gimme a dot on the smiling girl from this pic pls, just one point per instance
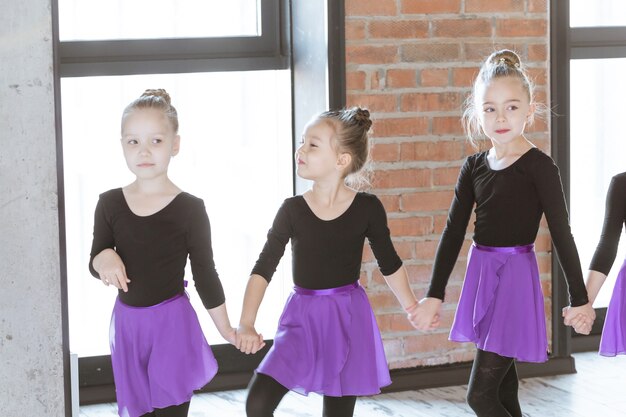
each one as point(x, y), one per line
point(143, 234)
point(327, 339)
point(509, 186)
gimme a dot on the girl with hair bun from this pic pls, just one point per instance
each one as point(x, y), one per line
point(509, 186)
point(327, 339)
point(143, 234)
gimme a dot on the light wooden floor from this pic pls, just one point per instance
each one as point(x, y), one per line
point(597, 390)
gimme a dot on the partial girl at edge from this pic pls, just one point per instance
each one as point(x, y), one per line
point(327, 339)
point(501, 307)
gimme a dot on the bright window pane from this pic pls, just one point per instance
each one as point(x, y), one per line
point(597, 153)
point(597, 13)
point(149, 19)
point(236, 154)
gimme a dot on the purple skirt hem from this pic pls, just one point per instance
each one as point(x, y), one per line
point(613, 341)
point(501, 308)
point(328, 344)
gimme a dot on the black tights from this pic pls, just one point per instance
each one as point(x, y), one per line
point(173, 411)
point(265, 393)
point(493, 386)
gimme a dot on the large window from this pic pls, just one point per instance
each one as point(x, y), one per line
point(234, 104)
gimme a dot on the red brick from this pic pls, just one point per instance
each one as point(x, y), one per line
point(543, 243)
point(480, 51)
point(368, 255)
point(464, 77)
point(383, 301)
point(431, 151)
point(355, 30)
point(430, 6)
point(490, 6)
point(439, 222)
point(424, 102)
point(447, 126)
point(419, 274)
point(401, 78)
point(405, 249)
point(411, 226)
point(374, 102)
point(434, 77)
point(369, 54)
point(385, 152)
point(398, 29)
point(355, 80)
point(538, 76)
point(429, 342)
point(409, 126)
point(393, 347)
point(402, 178)
point(395, 322)
point(371, 8)
point(537, 6)
point(426, 201)
point(522, 27)
point(537, 52)
point(459, 28)
point(425, 250)
point(445, 176)
point(375, 80)
point(390, 202)
point(430, 52)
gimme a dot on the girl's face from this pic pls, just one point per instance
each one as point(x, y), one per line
point(504, 109)
point(148, 142)
point(317, 158)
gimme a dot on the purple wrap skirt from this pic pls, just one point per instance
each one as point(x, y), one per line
point(159, 355)
point(613, 340)
point(328, 342)
point(501, 308)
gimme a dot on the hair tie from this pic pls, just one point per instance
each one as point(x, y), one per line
point(508, 62)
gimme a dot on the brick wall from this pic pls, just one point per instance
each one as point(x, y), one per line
point(411, 62)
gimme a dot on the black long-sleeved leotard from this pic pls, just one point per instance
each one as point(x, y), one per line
point(509, 204)
point(154, 248)
point(328, 254)
point(614, 218)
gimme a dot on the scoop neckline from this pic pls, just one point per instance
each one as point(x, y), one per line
point(352, 203)
point(512, 164)
point(149, 215)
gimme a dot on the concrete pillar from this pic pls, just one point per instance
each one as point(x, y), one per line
point(32, 362)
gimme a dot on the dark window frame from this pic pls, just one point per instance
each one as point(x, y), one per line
point(570, 43)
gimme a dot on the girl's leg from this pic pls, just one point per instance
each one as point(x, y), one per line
point(339, 406)
point(173, 411)
point(264, 395)
point(508, 392)
point(488, 374)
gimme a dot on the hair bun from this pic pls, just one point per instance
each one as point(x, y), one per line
point(361, 117)
point(505, 57)
point(159, 92)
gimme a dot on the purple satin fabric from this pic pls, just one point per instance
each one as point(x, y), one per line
point(506, 249)
point(613, 340)
point(328, 342)
point(159, 355)
point(501, 308)
point(326, 291)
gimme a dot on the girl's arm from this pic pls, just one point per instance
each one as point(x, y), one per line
point(111, 270)
point(248, 340)
point(219, 315)
point(595, 280)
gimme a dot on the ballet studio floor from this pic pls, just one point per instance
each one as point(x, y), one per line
point(597, 390)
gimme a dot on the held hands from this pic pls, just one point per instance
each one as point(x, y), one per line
point(580, 318)
point(111, 269)
point(248, 340)
point(425, 314)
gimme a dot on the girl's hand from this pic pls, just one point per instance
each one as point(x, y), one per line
point(425, 316)
point(111, 269)
point(248, 340)
point(581, 318)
